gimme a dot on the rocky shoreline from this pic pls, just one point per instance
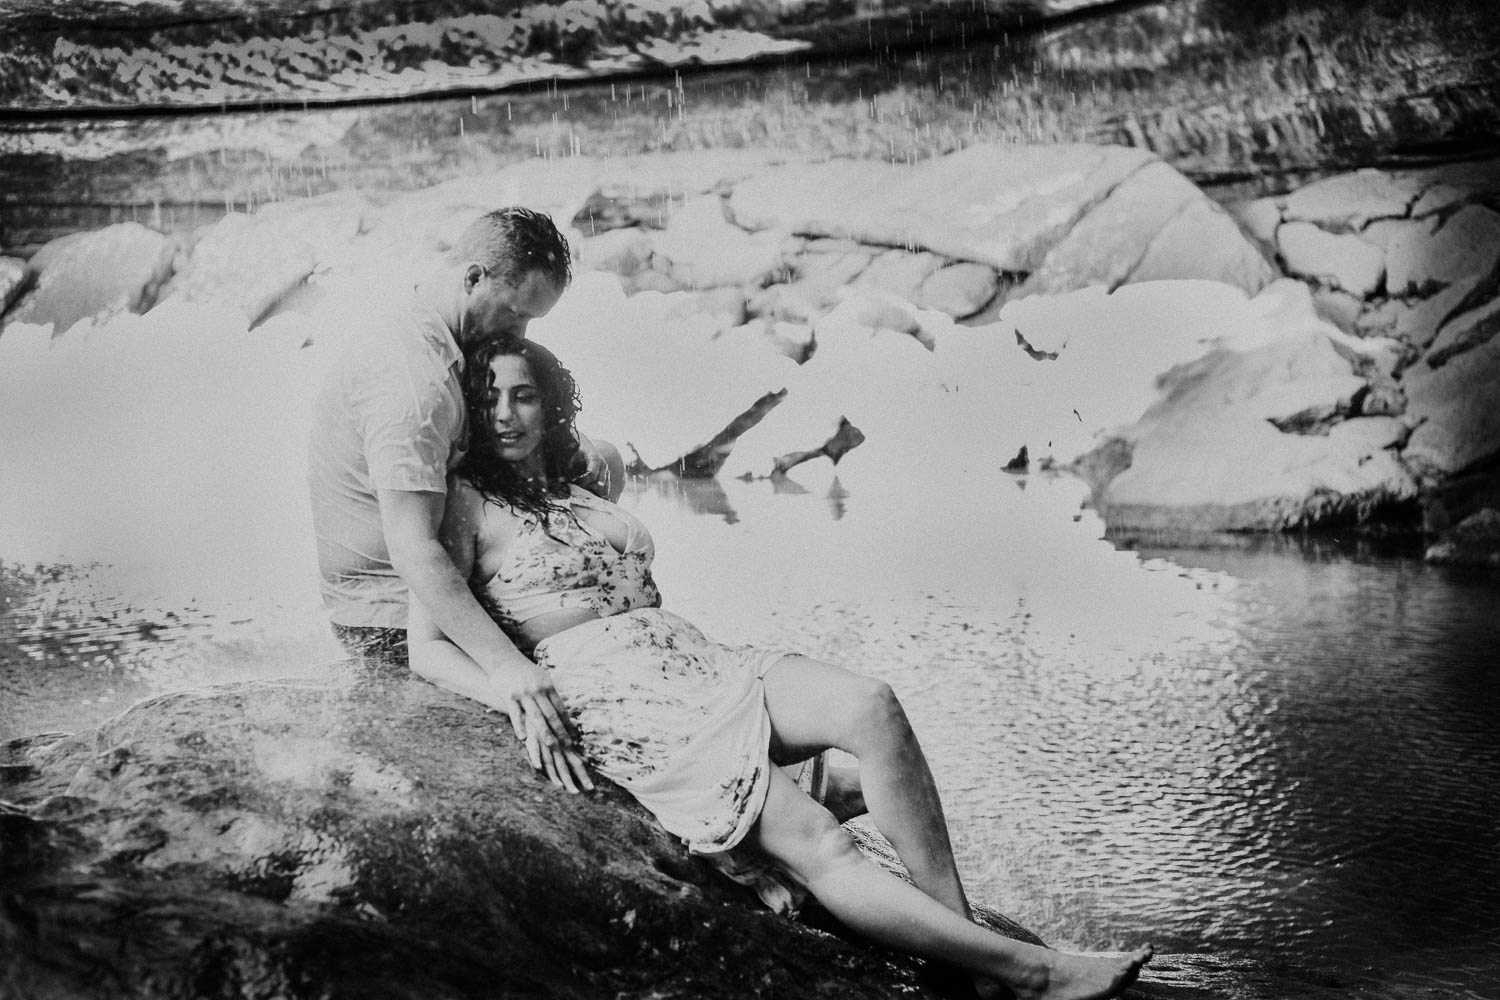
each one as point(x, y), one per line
point(1323, 359)
point(373, 836)
point(1216, 88)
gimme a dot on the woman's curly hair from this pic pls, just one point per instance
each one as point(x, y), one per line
point(562, 458)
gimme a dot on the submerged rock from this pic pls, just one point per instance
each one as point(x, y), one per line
point(356, 839)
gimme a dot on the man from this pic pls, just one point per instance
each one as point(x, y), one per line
point(389, 422)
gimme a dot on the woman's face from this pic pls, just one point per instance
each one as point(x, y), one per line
point(515, 408)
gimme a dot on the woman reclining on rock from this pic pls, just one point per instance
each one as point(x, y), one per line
point(693, 730)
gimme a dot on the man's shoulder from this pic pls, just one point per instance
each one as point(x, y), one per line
point(393, 331)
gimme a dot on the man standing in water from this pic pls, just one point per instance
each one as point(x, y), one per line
point(389, 422)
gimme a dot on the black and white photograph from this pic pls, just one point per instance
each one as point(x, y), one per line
point(792, 499)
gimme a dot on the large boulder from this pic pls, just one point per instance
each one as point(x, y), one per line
point(1071, 215)
point(368, 837)
point(1352, 200)
point(585, 196)
point(1155, 225)
point(1262, 433)
point(1056, 373)
point(1417, 322)
point(1465, 332)
point(900, 272)
point(13, 278)
point(251, 262)
point(624, 251)
point(1398, 254)
point(1466, 244)
point(1455, 410)
point(1002, 205)
point(96, 275)
point(701, 248)
point(1203, 241)
point(960, 290)
point(1341, 260)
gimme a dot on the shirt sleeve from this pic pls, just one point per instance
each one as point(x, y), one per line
point(409, 432)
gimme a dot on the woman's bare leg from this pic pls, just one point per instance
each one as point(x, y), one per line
point(815, 705)
point(804, 838)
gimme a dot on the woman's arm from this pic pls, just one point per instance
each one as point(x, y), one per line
point(512, 684)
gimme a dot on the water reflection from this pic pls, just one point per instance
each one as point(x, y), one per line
point(1238, 751)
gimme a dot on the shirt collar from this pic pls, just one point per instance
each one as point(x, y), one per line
point(442, 340)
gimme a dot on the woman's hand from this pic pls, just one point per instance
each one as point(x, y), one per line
point(539, 719)
point(562, 765)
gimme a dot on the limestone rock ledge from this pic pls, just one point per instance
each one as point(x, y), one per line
point(743, 312)
point(372, 839)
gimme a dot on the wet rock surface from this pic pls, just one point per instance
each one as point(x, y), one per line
point(12, 280)
point(372, 836)
point(306, 840)
point(1474, 541)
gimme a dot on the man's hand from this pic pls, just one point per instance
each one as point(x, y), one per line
point(604, 469)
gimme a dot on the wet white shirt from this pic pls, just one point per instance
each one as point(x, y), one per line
point(389, 415)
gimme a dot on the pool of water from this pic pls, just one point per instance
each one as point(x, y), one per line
point(1286, 755)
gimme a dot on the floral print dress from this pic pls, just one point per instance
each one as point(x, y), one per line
point(676, 719)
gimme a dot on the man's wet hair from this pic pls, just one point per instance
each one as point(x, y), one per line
point(514, 241)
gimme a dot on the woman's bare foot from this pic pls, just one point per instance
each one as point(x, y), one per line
point(1063, 975)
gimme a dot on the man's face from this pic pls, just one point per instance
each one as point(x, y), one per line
point(495, 308)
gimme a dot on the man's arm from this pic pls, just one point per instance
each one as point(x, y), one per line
point(411, 520)
point(606, 468)
point(456, 645)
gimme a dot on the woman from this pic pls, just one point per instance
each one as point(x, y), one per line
point(693, 730)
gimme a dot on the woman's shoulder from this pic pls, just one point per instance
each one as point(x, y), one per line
point(467, 504)
point(462, 494)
